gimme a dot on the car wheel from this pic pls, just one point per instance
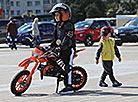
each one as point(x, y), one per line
point(119, 43)
point(31, 45)
point(28, 42)
point(10, 45)
point(88, 41)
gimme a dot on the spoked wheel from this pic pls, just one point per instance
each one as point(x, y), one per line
point(19, 84)
point(79, 77)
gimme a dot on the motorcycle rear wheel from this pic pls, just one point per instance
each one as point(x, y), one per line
point(79, 78)
point(18, 84)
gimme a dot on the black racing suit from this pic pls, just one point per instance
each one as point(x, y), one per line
point(107, 65)
point(67, 47)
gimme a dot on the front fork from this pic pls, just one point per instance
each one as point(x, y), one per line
point(33, 69)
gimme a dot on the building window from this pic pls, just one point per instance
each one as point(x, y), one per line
point(17, 3)
point(7, 2)
point(29, 11)
point(29, 3)
point(38, 11)
point(54, 1)
point(46, 2)
point(12, 3)
point(37, 3)
point(45, 12)
point(12, 12)
point(18, 12)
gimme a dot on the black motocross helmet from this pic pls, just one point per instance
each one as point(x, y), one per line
point(64, 11)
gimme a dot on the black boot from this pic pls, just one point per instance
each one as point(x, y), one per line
point(116, 84)
point(67, 90)
point(103, 84)
point(15, 48)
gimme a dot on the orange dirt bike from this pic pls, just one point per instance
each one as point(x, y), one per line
point(46, 62)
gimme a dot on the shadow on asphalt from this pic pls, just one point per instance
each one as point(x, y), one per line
point(18, 47)
point(33, 95)
point(87, 46)
point(129, 87)
point(3, 47)
point(130, 45)
point(100, 92)
point(84, 93)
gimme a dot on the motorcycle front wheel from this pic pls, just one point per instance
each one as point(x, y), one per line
point(19, 84)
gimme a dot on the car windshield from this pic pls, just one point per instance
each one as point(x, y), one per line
point(25, 27)
point(132, 22)
point(83, 24)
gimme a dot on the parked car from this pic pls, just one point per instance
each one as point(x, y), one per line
point(88, 31)
point(128, 33)
point(24, 33)
point(111, 20)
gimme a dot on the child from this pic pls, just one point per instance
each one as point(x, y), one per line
point(64, 40)
point(107, 49)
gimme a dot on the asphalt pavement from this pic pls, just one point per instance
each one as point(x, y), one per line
point(44, 90)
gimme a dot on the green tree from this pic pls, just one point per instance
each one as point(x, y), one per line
point(82, 9)
point(129, 7)
point(92, 11)
point(110, 12)
point(112, 7)
point(77, 15)
point(119, 12)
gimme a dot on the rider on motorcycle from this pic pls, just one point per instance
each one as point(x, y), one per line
point(64, 40)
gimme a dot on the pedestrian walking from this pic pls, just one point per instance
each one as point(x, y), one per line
point(12, 32)
point(107, 50)
point(35, 33)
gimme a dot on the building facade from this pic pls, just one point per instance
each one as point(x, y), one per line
point(4, 5)
point(38, 7)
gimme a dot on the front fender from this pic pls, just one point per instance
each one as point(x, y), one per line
point(26, 62)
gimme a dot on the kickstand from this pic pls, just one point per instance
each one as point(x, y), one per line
point(57, 84)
